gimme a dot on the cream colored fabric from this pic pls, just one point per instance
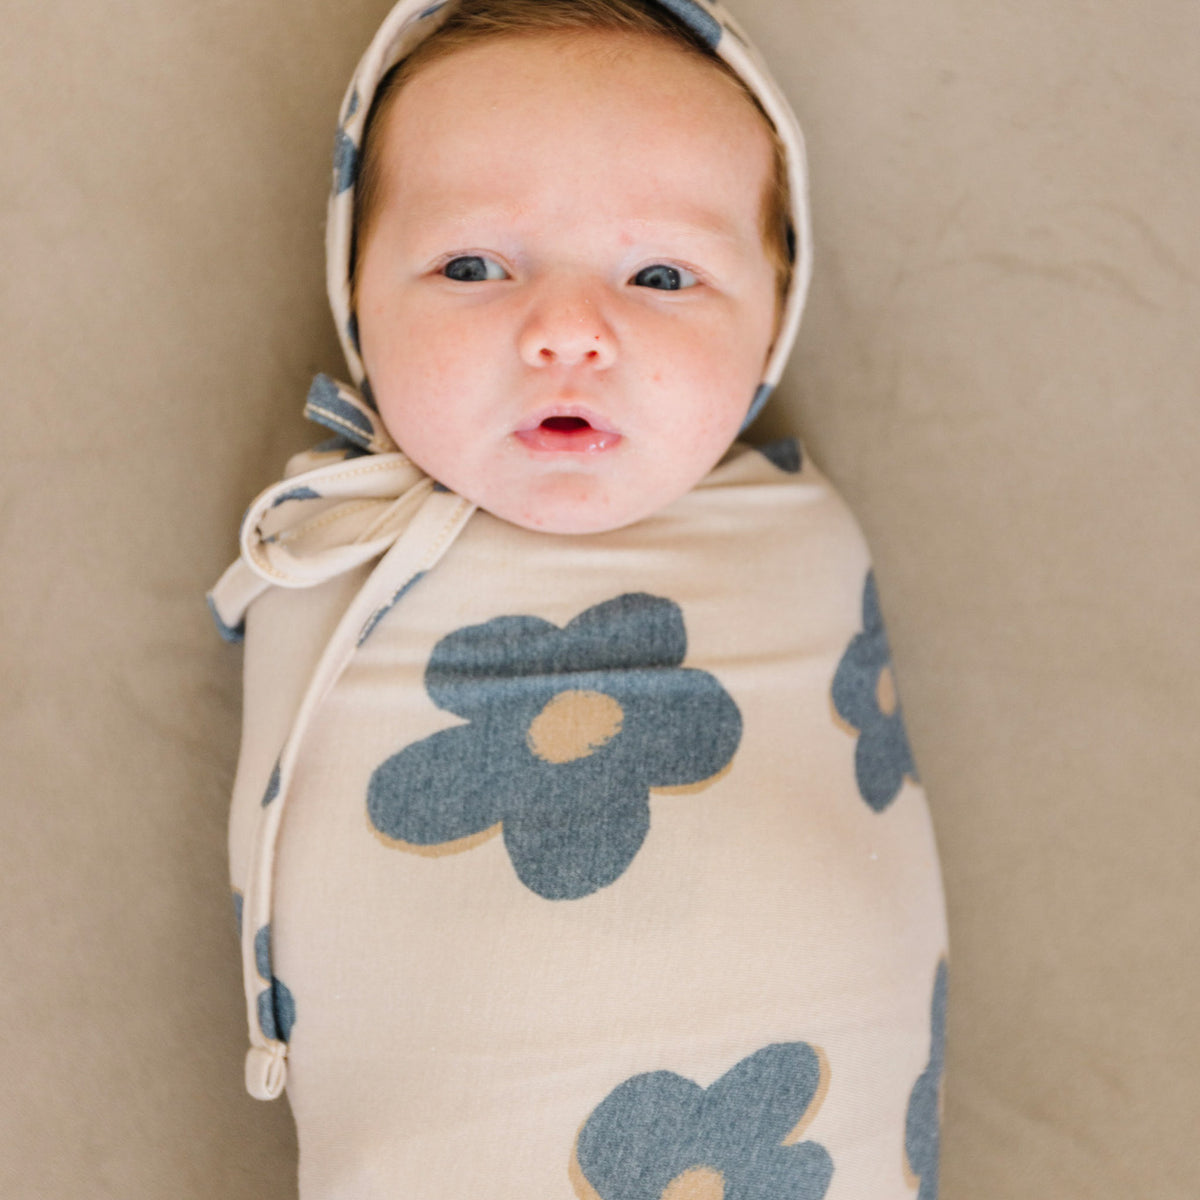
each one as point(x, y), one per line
point(998, 368)
point(575, 819)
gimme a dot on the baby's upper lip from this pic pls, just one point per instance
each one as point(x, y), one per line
point(567, 408)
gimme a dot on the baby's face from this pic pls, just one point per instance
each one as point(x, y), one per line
point(564, 303)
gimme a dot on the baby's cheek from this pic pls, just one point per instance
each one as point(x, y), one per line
point(412, 367)
point(720, 357)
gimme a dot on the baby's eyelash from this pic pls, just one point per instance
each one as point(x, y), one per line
point(473, 268)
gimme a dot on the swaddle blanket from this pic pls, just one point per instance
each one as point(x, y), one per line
point(589, 866)
point(604, 865)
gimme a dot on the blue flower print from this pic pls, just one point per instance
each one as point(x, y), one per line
point(660, 1136)
point(567, 732)
point(785, 454)
point(298, 493)
point(864, 696)
point(698, 19)
point(272, 789)
point(345, 161)
point(276, 1004)
point(922, 1132)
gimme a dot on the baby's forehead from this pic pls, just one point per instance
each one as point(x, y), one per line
point(646, 148)
point(519, 51)
point(470, 97)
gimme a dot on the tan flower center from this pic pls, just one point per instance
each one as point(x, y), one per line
point(885, 692)
point(573, 725)
point(697, 1183)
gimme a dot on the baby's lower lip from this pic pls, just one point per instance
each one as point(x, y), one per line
point(567, 435)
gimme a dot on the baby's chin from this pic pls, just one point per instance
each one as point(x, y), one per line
point(581, 519)
point(569, 509)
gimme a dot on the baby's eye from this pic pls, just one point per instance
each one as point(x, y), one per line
point(667, 279)
point(473, 268)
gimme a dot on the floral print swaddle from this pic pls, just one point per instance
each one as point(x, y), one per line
point(605, 871)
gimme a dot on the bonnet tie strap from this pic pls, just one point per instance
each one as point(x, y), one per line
point(341, 517)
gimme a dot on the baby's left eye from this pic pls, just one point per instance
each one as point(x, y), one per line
point(665, 278)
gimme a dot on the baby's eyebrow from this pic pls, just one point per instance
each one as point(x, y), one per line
point(445, 218)
point(699, 221)
point(695, 221)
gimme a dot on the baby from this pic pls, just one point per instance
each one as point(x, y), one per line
point(576, 841)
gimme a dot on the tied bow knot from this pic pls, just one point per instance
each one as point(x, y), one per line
point(317, 525)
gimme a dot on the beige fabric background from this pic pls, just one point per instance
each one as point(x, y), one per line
point(999, 367)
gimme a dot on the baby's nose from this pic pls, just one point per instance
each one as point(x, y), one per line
point(566, 327)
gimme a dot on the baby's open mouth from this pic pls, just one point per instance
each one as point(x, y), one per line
point(565, 424)
point(567, 433)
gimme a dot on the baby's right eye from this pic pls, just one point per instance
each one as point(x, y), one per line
point(473, 268)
